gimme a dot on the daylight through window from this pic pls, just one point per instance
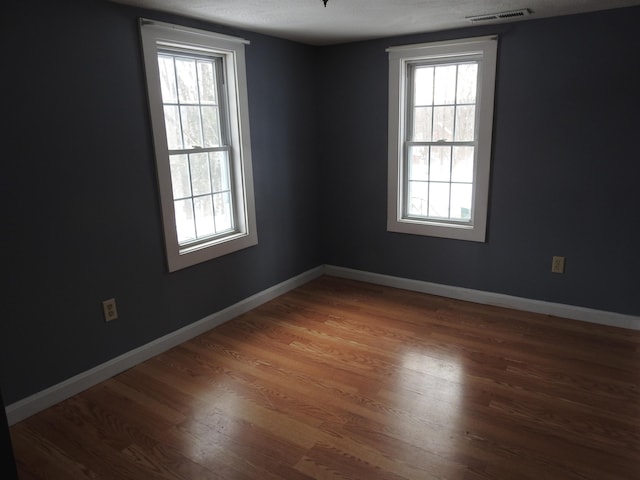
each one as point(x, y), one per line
point(198, 151)
point(441, 142)
point(197, 94)
point(441, 101)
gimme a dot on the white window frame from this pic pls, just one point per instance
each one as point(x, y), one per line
point(400, 58)
point(156, 36)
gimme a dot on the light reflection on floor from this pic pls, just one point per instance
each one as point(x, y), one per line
point(429, 390)
point(424, 396)
point(212, 425)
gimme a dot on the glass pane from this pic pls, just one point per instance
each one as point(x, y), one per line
point(440, 168)
point(418, 199)
point(418, 163)
point(467, 81)
point(439, 200)
point(172, 126)
point(462, 170)
point(211, 126)
point(461, 201)
point(205, 224)
point(191, 126)
point(423, 86)
point(207, 82)
point(465, 123)
point(185, 225)
point(444, 92)
point(220, 174)
point(200, 176)
point(223, 209)
point(180, 182)
point(187, 80)
point(422, 126)
point(167, 79)
point(443, 123)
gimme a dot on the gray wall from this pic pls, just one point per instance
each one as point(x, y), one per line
point(565, 165)
point(81, 210)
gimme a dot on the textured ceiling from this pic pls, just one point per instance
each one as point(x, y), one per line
point(308, 21)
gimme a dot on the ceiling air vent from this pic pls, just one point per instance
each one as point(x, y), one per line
point(508, 15)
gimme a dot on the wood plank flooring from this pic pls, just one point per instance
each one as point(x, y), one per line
point(346, 380)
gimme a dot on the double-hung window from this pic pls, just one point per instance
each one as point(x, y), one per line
point(440, 123)
point(198, 102)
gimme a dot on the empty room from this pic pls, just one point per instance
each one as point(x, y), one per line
point(308, 239)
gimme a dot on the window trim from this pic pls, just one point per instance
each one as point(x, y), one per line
point(158, 35)
point(399, 59)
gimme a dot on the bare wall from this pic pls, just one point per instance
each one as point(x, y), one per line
point(81, 208)
point(565, 165)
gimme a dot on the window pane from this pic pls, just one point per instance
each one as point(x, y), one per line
point(465, 123)
point(443, 123)
point(198, 79)
point(220, 173)
point(422, 123)
point(445, 85)
point(205, 225)
point(191, 126)
point(418, 163)
point(223, 208)
point(172, 127)
point(180, 181)
point(200, 176)
point(439, 200)
point(440, 165)
point(461, 201)
point(467, 82)
point(418, 199)
point(211, 126)
point(207, 82)
point(187, 80)
point(167, 79)
point(462, 170)
point(454, 82)
point(185, 226)
point(423, 86)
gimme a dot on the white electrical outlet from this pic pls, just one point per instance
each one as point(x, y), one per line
point(110, 310)
point(557, 265)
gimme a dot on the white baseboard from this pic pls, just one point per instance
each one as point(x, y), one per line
point(46, 398)
point(487, 298)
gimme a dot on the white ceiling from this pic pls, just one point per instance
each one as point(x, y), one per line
point(308, 21)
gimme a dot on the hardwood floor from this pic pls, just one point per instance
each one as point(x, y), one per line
point(346, 380)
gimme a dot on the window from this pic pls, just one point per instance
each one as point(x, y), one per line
point(197, 91)
point(440, 123)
